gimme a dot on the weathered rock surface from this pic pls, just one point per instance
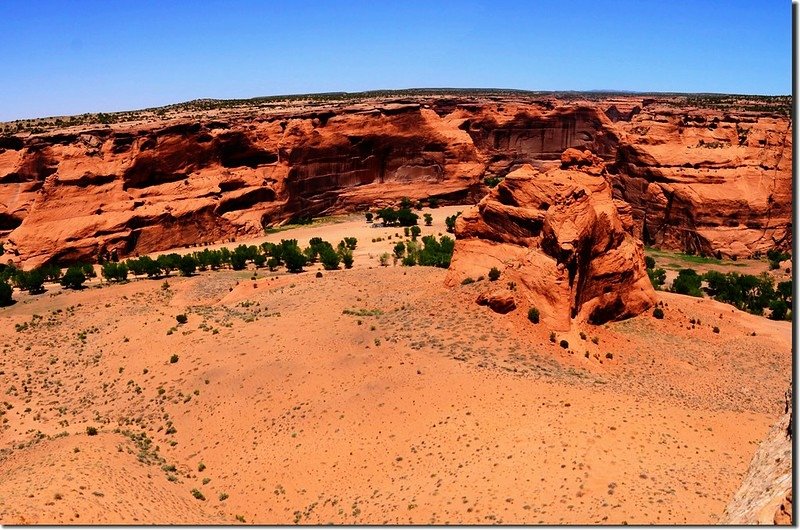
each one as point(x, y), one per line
point(558, 235)
point(498, 300)
point(696, 178)
point(765, 496)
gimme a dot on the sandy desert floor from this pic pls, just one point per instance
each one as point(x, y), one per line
point(372, 395)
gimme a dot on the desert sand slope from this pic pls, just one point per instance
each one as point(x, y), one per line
point(372, 395)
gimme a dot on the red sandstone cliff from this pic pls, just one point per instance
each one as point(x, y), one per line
point(70, 194)
point(562, 239)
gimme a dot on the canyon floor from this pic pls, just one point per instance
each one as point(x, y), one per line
point(372, 395)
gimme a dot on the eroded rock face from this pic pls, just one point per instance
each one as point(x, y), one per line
point(73, 193)
point(560, 237)
point(765, 496)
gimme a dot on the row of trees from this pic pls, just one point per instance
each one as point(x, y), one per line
point(754, 294)
point(272, 255)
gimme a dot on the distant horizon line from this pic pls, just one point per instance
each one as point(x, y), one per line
point(416, 91)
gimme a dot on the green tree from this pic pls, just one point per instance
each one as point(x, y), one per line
point(329, 258)
point(428, 219)
point(74, 278)
point(293, 257)
point(399, 249)
point(187, 265)
point(415, 232)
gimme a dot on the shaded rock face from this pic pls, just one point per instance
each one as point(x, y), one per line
point(765, 496)
point(560, 237)
point(75, 193)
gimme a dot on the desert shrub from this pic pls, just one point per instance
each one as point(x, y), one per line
point(74, 278)
point(114, 271)
point(494, 274)
point(347, 258)
point(91, 431)
point(775, 257)
point(778, 310)
point(657, 277)
point(31, 281)
point(405, 217)
point(294, 259)
point(399, 249)
point(715, 329)
point(688, 282)
point(52, 273)
point(467, 281)
point(387, 215)
point(564, 344)
point(238, 261)
point(436, 253)
point(384, 259)
point(182, 318)
point(318, 274)
point(330, 258)
point(582, 335)
point(173, 358)
point(491, 182)
point(368, 215)
point(198, 495)
point(415, 232)
point(658, 313)
point(533, 315)
point(428, 219)
point(409, 261)
point(649, 262)
point(350, 242)
point(553, 336)
point(5, 294)
point(450, 222)
point(88, 268)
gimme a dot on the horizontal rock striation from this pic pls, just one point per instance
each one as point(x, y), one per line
point(695, 179)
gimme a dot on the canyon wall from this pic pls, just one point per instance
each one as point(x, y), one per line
point(696, 179)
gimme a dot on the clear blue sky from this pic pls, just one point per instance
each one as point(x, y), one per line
point(70, 57)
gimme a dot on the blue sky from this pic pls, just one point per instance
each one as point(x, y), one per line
point(99, 56)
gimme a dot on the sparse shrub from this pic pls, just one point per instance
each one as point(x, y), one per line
point(467, 281)
point(582, 335)
point(595, 340)
point(318, 274)
point(198, 495)
point(384, 259)
point(658, 313)
point(533, 315)
point(553, 337)
point(415, 232)
point(368, 215)
point(716, 329)
point(201, 467)
point(650, 262)
point(494, 274)
point(91, 431)
point(223, 496)
point(564, 344)
point(182, 318)
point(609, 356)
point(399, 249)
point(174, 358)
point(428, 219)
point(347, 258)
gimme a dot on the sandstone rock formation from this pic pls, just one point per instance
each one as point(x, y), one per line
point(765, 496)
point(696, 177)
point(559, 237)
